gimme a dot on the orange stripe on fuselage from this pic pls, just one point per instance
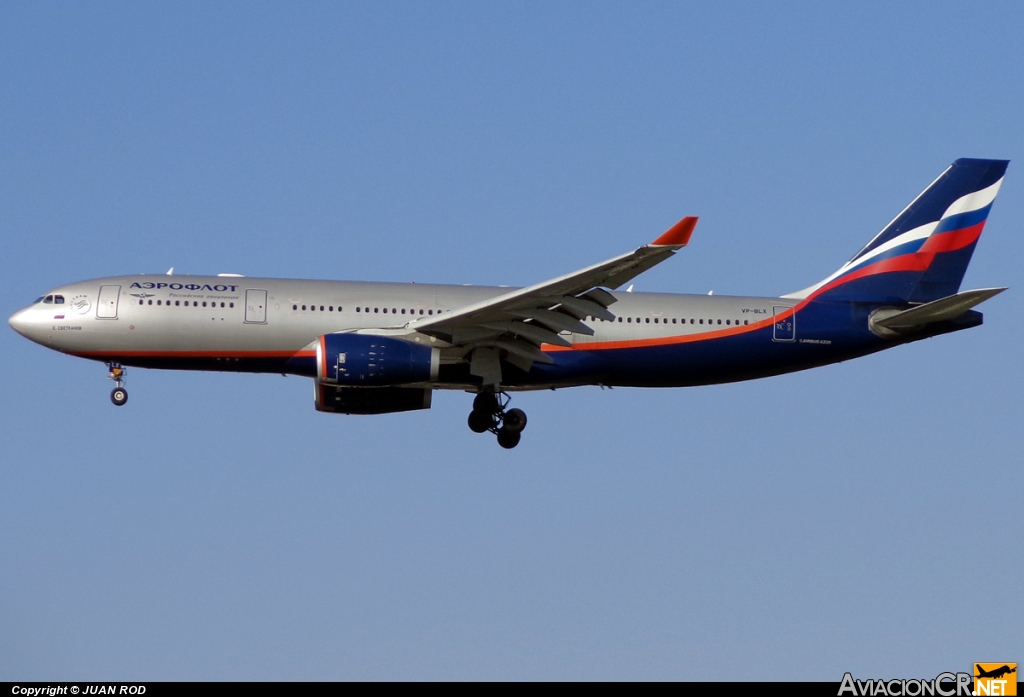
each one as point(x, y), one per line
point(199, 354)
point(670, 340)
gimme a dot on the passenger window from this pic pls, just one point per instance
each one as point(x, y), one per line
point(385, 310)
point(330, 308)
point(150, 302)
point(303, 307)
point(719, 321)
point(231, 304)
point(158, 302)
point(375, 310)
point(430, 312)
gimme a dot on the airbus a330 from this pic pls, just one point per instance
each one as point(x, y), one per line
point(374, 348)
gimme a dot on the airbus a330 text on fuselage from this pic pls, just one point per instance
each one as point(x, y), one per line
point(373, 348)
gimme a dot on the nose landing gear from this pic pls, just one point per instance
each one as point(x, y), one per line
point(489, 414)
point(119, 395)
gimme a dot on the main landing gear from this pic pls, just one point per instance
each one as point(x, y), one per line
point(118, 395)
point(489, 414)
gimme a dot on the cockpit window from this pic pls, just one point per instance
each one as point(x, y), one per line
point(38, 300)
point(48, 300)
point(58, 300)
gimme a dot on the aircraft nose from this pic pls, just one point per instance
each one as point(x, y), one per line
point(25, 323)
point(19, 322)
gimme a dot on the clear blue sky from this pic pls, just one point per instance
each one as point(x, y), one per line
point(862, 517)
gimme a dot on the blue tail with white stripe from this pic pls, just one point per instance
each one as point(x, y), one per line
point(923, 253)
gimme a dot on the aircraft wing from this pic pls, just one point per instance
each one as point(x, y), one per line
point(514, 325)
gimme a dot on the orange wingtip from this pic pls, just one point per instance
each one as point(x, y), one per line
point(678, 234)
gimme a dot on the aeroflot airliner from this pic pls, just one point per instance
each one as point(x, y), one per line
point(374, 348)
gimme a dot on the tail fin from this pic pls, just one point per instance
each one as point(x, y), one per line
point(923, 254)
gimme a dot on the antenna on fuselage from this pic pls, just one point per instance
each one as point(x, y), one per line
point(170, 271)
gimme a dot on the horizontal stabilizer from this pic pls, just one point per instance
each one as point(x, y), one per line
point(936, 311)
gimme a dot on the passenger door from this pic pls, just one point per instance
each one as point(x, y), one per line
point(255, 306)
point(106, 305)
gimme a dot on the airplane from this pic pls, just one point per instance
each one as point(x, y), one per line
point(374, 348)
point(995, 673)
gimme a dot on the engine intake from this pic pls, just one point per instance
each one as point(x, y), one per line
point(366, 360)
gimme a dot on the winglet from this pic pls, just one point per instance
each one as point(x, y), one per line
point(678, 235)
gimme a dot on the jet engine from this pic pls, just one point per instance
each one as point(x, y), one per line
point(369, 374)
point(366, 360)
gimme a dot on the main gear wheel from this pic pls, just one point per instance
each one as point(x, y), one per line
point(490, 414)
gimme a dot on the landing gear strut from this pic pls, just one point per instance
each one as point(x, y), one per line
point(489, 414)
point(118, 395)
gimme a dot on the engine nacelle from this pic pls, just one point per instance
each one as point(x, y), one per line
point(370, 400)
point(366, 360)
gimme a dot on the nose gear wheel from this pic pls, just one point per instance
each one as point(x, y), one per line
point(119, 395)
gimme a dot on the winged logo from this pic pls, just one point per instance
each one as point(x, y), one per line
point(81, 304)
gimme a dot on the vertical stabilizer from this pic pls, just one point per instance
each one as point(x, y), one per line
point(923, 253)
